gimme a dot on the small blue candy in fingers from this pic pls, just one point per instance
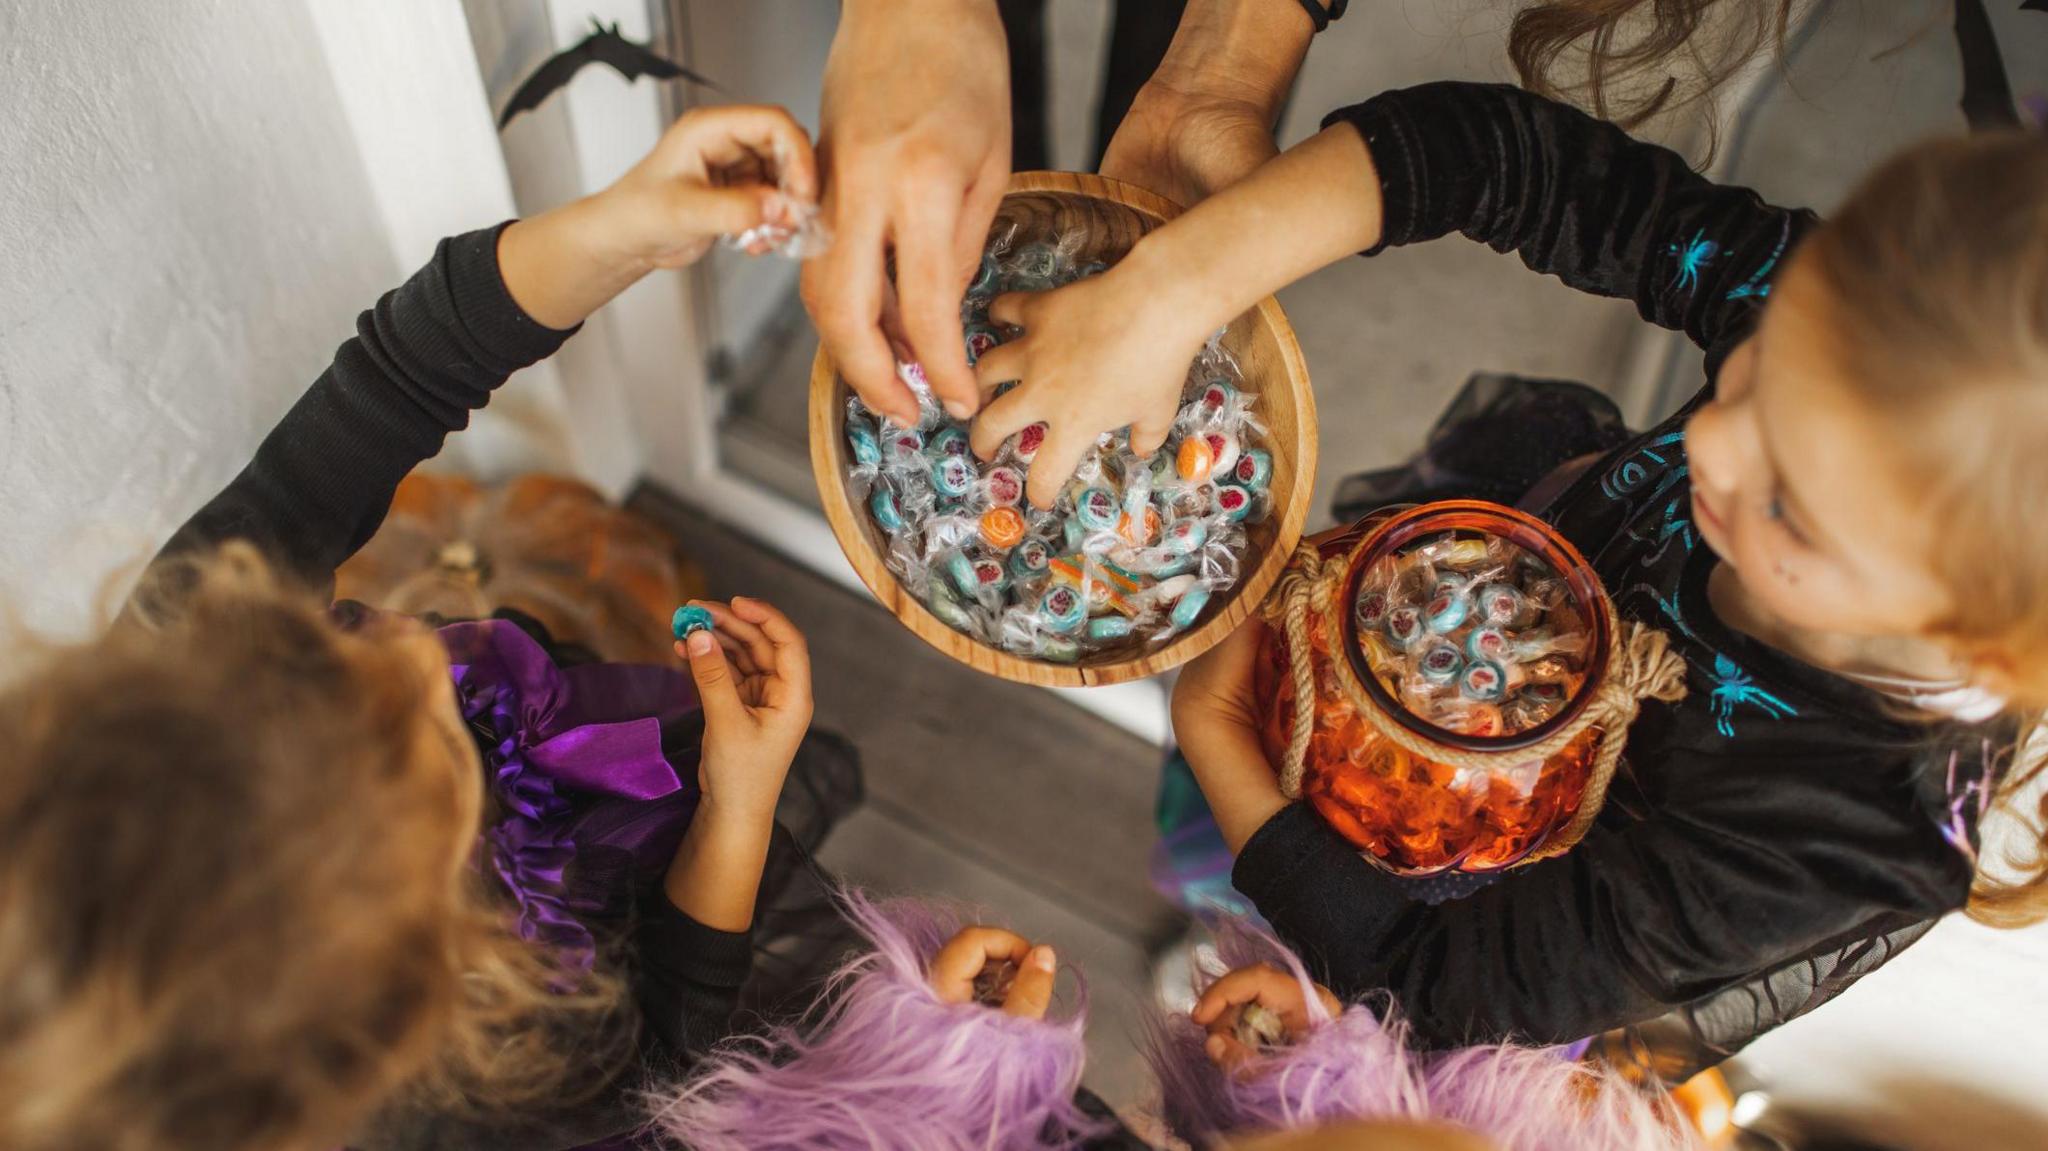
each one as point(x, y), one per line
point(689, 618)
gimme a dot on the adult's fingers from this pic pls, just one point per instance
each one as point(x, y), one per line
point(717, 691)
point(962, 958)
point(1031, 991)
point(1055, 462)
point(843, 290)
point(928, 287)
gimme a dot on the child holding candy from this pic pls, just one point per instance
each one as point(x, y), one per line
point(1828, 534)
point(279, 875)
point(938, 1035)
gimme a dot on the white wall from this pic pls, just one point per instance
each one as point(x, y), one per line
point(188, 228)
point(185, 234)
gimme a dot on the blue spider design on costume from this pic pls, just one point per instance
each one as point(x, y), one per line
point(1757, 287)
point(1693, 258)
point(1732, 686)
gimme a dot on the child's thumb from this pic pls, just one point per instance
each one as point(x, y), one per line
point(716, 691)
point(721, 211)
point(1031, 990)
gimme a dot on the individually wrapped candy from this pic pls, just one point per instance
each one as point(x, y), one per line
point(1134, 550)
point(1472, 634)
point(793, 228)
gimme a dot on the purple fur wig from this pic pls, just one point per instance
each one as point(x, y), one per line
point(888, 1064)
point(1360, 1067)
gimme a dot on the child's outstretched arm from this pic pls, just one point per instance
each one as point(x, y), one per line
point(1138, 325)
point(489, 303)
point(695, 942)
point(1630, 923)
point(1574, 197)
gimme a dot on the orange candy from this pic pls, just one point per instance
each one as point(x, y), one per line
point(1002, 528)
point(1140, 533)
point(1196, 459)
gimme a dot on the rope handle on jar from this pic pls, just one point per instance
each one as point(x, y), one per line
point(1304, 586)
point(1640, 665)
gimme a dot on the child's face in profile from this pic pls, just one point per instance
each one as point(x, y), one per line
point(1795, 486)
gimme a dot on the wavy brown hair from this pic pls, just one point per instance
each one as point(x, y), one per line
point(1628, 60)
point(237, 904)
point(1936, 274)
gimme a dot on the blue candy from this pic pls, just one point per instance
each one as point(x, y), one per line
point(1190, 606)
point(887, 514)
point(689, 618)
point(1107, 627)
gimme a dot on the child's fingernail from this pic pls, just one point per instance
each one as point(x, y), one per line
point(699, 643)
point(1042, 958)
point(959, 409)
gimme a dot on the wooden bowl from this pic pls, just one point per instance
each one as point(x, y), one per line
point(1110, 216)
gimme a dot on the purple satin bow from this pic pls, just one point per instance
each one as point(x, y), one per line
point(593, 731)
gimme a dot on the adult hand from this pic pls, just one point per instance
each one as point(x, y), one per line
point(916, 155)
point(1205, 119)
point(979, 951)
point(1185, 145)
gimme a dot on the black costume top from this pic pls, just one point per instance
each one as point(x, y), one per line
point(1772, 837)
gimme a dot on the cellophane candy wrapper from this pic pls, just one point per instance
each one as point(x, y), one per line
point(1131, 554)
point(798, 233)
point(1473, 635)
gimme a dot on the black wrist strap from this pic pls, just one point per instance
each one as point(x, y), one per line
point(1322, 15)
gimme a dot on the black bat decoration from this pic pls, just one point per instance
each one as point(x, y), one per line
point(603, 46)
point(2034, 6)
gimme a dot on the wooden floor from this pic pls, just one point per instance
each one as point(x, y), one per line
point(996, 794)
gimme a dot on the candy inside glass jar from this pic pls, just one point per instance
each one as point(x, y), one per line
point(1475, 631)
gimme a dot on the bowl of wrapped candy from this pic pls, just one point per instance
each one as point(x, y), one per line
point(1142, 563)
point(1442, 686)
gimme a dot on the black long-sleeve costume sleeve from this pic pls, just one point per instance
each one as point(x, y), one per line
point(429, 353)
point(1575, 198)
point(1752, 854)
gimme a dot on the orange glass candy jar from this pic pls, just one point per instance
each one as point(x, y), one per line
point(1465, 687)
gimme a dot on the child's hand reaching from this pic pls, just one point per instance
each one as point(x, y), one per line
point(1097, 355)
point(992, 966)
point(753, 676)
point(715, 172)
point(1261, 986)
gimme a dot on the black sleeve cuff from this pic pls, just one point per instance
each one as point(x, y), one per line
point(674, 948)
point(485, 308)
point(1279, 850)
